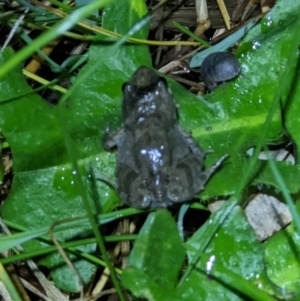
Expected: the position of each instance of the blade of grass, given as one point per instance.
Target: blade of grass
(51, 34)
(73, 159)
(43, 81)
(28, 40)
(227, 207)
(83, 193)
(60, 4)
(43, 87)
(285, 192)
(191, 34)
(8, 242)
(8, 284)
(69, 246)
(113, 35)
(30, 6)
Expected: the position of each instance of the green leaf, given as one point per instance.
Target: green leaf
(287, 171)
(234, 248)
(282, 258)
(143, 286)
(236, 112)
(158, 250)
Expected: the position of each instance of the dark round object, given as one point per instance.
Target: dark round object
(219, 67)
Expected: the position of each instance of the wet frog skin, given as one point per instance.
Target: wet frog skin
(157, 163)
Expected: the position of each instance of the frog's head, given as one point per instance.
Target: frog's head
(146, 96)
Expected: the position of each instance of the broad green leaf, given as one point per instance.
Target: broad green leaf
(141, 285)
(282, 258)
(158, 250)
(11, 241)
(236, 249)
(287, 171)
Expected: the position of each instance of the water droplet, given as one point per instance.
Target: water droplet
(210, 263)
(266, 25)
(250, 151)
(255, 45)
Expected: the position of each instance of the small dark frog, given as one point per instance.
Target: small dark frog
(157, 162)
(219, 67)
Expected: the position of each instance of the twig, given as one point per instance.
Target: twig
(14, 29)
(224, 13)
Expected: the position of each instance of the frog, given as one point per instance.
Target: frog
(158, 163)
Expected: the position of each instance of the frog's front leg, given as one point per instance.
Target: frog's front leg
(187, 179)
(193, 145)
(110, 139)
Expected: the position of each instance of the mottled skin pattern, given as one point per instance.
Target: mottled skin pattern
(219, 67)
(158, 163)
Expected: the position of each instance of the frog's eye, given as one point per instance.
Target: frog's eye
(126, 88)
(162, 82)
(127, 91)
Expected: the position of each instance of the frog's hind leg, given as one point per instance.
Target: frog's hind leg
(107, 180)
(193, 145)
(133, 190)
(183, 179)
(187, 178)
(207, 173)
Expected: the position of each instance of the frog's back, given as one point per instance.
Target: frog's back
(158, 163)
